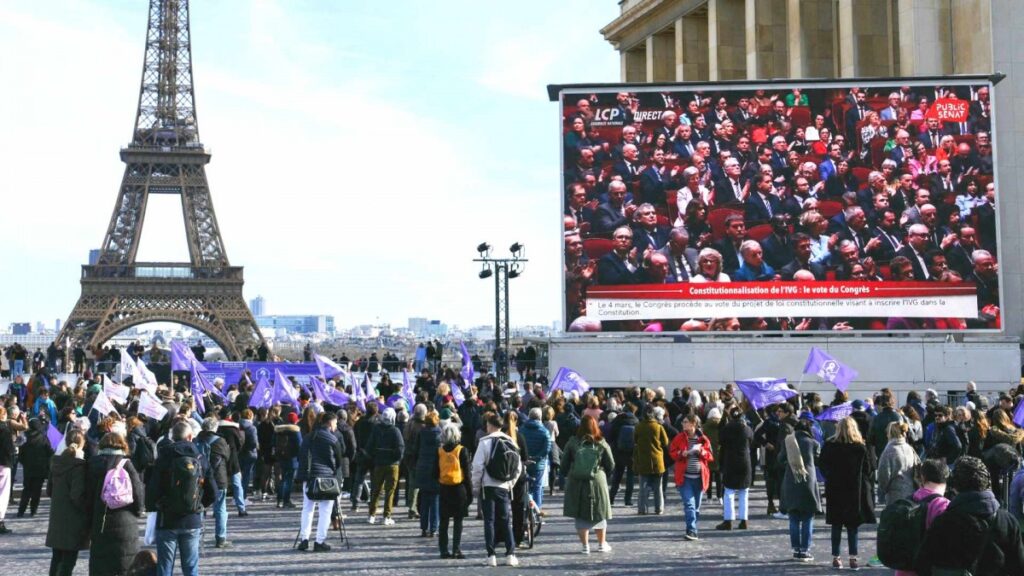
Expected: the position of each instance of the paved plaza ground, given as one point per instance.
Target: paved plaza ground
(642, 545)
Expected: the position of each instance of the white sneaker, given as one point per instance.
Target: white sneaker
(372, 520)
(586, 549)
(389, 521)
(604, 548)
(780, 516)
(492, 561)
(511, 560)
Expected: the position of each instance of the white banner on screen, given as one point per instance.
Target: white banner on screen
(955, 306)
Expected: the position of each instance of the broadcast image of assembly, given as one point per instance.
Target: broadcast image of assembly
(780, 207)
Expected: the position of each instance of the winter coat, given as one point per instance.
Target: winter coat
(410, 435)
(677, 450)
(386, 446)
(796, 495)
(896, 471)
(879, 432)
(945, 443)
(848, 470)
(626, 418)
(539, 444)
(265, 435)
(587, 500)
(711, 429)
(220, 454)
(428, 441)
(1015, 503)
(250, 446)
(235, 438)
(7, 452)
(159, 485)
(34, 455)
(363, 429)
(320, 456)
(348, 442)
(651, 444)
(69, 513)
(114, 533)
(956, 537)
(455, 499)
(996, 435)
(567, 422)
(734, 454)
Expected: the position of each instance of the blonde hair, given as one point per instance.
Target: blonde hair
(897, 430)
(847, 432)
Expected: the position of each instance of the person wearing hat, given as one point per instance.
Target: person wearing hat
(386, 448)
(287, 441)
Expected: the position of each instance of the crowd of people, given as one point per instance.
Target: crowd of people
(801, 185)
(105, 467)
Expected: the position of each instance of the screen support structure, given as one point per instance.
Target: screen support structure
(503, 269)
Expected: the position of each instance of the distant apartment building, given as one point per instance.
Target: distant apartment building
(297, 324)
(258, 306)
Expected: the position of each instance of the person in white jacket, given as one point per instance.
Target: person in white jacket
(496, 499)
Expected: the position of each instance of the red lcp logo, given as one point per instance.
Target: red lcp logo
(949, 110)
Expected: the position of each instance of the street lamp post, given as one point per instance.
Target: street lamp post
(503, 269)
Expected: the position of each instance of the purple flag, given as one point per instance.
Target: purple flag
(467, 373)
(829, 369)
(569, 380)
(198, 389)
(407, 389)
(836, 413)
(1018, 414)
(457, 394)
(328, 369)
(305, 388)
(761, 392)
(54, 436)
(284, 391)
(182, 357)
(357, 391)
(371, 390)
(262, 394)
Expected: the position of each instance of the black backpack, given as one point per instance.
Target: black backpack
(504, 462)
(626, 441)
(144, 453)
(901, 529)
(185, 493)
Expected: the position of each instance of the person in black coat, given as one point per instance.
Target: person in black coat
(734, 440)
(848, 466)
(428, 440)
(320, 457)
(220, 460)
(114, 534)
(68, 529)
(34, 456)
(973, 535)
(455, 496)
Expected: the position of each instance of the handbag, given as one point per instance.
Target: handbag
(318, 489)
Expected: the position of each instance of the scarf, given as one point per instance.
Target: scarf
(795, 460)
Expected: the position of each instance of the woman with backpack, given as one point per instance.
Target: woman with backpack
(520, 488)
(896, 465)
(455, 483)
(691, 451)
(848, 466)
(586, 463)
(428, 440)
(114, 532)
(143, 449)
(799, 497)
(319, 457)
(931, 475)
(68, 530)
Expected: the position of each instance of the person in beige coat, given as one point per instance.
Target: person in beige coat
(651, 442)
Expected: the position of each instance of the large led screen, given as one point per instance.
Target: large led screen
(780, 207)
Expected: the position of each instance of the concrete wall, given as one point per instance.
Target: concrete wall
(727, 41)
(661, 49)
(767, 43)
(695, 47)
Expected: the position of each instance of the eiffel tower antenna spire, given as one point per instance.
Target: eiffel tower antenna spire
(165, 157)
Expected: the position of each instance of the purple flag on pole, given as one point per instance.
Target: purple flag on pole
(284, 391)
(457, 394)
(468, 375)
(1018, 414)
(407, 389)
(262, 394)
(569, 380)
(182, 357)
(54, 436)
(829, 369)
(836, 413)
(328, 369)
(761, 392)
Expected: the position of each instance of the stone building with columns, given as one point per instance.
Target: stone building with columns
(705, 41)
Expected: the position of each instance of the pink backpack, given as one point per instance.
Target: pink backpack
(117, 487)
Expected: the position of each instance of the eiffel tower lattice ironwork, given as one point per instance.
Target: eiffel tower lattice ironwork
(165, 157)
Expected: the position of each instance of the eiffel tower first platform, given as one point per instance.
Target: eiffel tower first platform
(165, 157)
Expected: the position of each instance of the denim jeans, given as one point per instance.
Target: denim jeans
(497, 507)
(284, 491)
(691, 492)
(430, 510)
(801, 525)
(220, 515)
(170, 542)
(727, 507)
(248, 464)
(536, 488)
(650, 485)
(837, 538)
(237, 491)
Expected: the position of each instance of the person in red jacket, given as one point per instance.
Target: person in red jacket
(691, 451)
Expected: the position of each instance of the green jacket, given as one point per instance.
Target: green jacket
(651, 443)
(587, 500)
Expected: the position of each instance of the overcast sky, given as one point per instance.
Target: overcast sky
(360, 150)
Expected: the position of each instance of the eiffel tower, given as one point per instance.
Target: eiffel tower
(165, 157)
